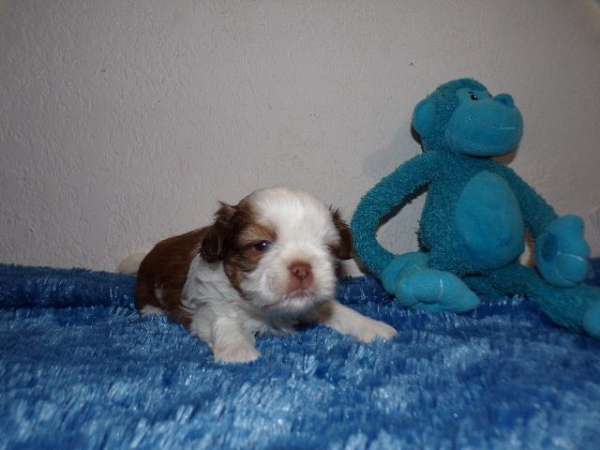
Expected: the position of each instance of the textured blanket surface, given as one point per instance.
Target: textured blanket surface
(80, 369)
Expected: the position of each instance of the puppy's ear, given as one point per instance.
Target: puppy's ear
(213, 244)
(343, 248)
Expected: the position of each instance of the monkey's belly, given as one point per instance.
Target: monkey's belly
(488, 218)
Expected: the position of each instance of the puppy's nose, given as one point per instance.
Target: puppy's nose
(301, 271)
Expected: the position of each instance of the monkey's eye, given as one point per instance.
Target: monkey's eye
(473, 96)
(262, 246)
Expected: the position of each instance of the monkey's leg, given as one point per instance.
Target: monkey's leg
(576, 308)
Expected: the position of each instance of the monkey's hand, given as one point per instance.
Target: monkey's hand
(562, 253)
(416, 286)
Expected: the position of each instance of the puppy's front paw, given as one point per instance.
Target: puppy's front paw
(236, 354)
(370, 329)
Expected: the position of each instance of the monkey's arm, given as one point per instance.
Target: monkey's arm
(389, 195)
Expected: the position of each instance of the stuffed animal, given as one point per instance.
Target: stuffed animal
(473, 225)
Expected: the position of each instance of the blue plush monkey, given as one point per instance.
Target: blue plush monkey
(472, 229)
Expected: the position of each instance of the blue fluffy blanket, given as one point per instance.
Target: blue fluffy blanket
(80, 369)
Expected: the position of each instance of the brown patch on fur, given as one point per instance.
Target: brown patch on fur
(343, 248)
(243, 255)
(231, 239)
(166, 268)
(254, 233)
(214, 243)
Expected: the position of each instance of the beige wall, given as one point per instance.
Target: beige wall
(122, 122)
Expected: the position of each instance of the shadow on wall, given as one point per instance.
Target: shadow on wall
(383, 161)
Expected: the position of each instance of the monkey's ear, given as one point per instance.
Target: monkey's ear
(213, 244)
(424, 117)
(343, 248)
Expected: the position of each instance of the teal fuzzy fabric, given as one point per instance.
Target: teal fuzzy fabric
(81, 370)
(475, 218)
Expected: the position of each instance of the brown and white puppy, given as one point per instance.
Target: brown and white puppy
(265, 265)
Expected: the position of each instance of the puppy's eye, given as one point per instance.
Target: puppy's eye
(262, 246)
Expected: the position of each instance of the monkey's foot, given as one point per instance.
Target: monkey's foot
(591, 320)
(562, 252)
(435, 291)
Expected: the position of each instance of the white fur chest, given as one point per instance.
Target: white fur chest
(207, 283)
(209, 297)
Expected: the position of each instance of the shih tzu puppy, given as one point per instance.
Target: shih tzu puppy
(266, 265)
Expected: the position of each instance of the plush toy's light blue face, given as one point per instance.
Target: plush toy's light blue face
(483, 125)
(462, 117)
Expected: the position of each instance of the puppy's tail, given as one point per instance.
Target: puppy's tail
(131, 264)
